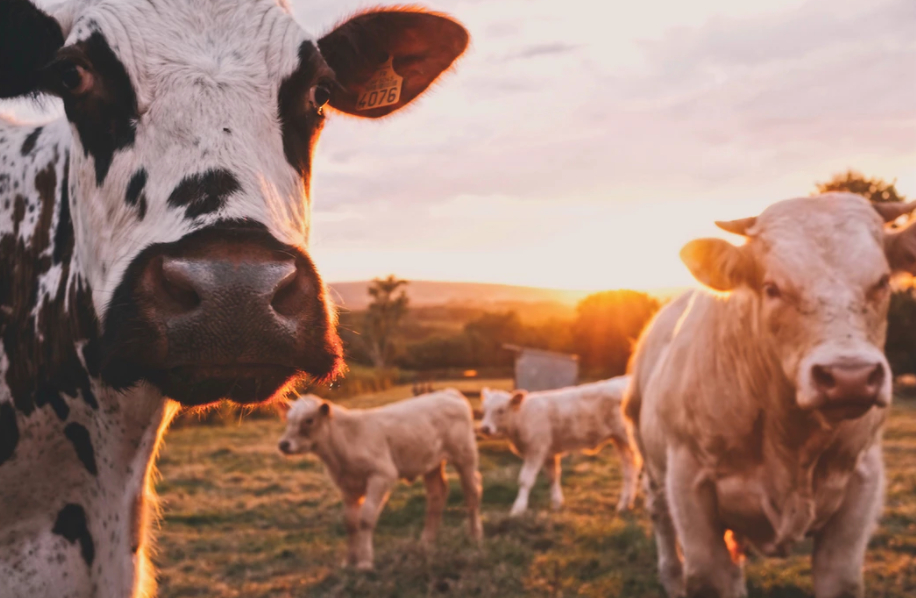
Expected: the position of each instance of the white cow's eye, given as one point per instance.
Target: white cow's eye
(308, 422)
(883, 284)
(771, 290)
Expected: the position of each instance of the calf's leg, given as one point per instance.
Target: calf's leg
(352, 506)
(839, 548)
(554, 468)
(472, 488)
(377, 491)
(436, 496)
(629, 465)
(709, 569)
(526, 478)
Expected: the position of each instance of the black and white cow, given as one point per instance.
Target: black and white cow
(153, 245)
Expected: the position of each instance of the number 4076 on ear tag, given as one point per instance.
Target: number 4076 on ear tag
(383, 89)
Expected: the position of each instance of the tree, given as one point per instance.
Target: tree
(875, 189)
(383, 318)
(606, 326)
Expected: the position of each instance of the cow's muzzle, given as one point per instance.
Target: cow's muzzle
(847, 389)
(227, 312)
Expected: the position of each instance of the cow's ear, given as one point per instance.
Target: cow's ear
(325, 409)
(516, 401)
(383, 59)
(900, 248)
(717, 263)
(29, 39)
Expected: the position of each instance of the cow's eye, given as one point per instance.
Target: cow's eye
(308, 421)
(74, 78)
(771, 290)
(320, 95)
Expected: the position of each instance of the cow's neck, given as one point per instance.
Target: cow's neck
(788, 443)
(76, 455)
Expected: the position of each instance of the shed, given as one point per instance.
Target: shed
(536, 369)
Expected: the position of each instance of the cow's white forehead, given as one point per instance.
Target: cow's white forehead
(164, 42)
(302, 407)
(494, 398)
(835, 234)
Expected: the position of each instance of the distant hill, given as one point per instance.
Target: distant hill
(355, 296)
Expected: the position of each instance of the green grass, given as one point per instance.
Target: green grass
(239, 520)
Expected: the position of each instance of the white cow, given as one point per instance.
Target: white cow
(542, 426)
(366, 451)
(758, 407)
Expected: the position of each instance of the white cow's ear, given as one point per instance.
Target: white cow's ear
(29, 40)
(325, 409)
(516, 401)
(900, 248)
(717, 263)
(383, 59)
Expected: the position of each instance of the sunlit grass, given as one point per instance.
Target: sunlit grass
(239, 520)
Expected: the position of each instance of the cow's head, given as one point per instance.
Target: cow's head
(193, 127)
(817, 272)
(498, 406)
(306, 425)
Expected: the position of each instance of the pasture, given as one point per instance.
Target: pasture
(241, 521)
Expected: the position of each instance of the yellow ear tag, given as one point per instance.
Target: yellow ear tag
(383, 89)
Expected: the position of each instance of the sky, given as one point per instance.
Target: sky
(580, 144)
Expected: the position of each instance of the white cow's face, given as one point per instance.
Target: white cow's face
(818, 271)
(499, 407)
(306, 425)
(193, 126)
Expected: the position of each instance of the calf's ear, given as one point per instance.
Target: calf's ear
(516, 401)
(900, 248)
(325, 409)
(29, 39)
(383, 59)
(717, 263)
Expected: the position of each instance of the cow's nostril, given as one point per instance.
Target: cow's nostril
(175, 284)
(822, 377)
(291, 295)
(876, 377)
(284, 446)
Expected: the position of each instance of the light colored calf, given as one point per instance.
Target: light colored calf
(367, 451)
(542, 426)
(758, 409)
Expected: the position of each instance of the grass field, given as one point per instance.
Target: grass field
(239, 520)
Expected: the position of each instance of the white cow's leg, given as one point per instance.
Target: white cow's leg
(377, 491)
(554, 468)
(839, 548)
(709, 569)
(629, 465)
(670, 568)
(352, 505)
(526, 478)
(436, 495)
(472, 488)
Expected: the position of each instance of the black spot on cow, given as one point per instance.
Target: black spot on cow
(135, 195)
(44, 361)
(300, 124)
(63, 236)
(48, 395)
(204, 193)
(71, 524)
(29, 39)
(29, 144)
(105, 118)
(78, 435)
(9, 432)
